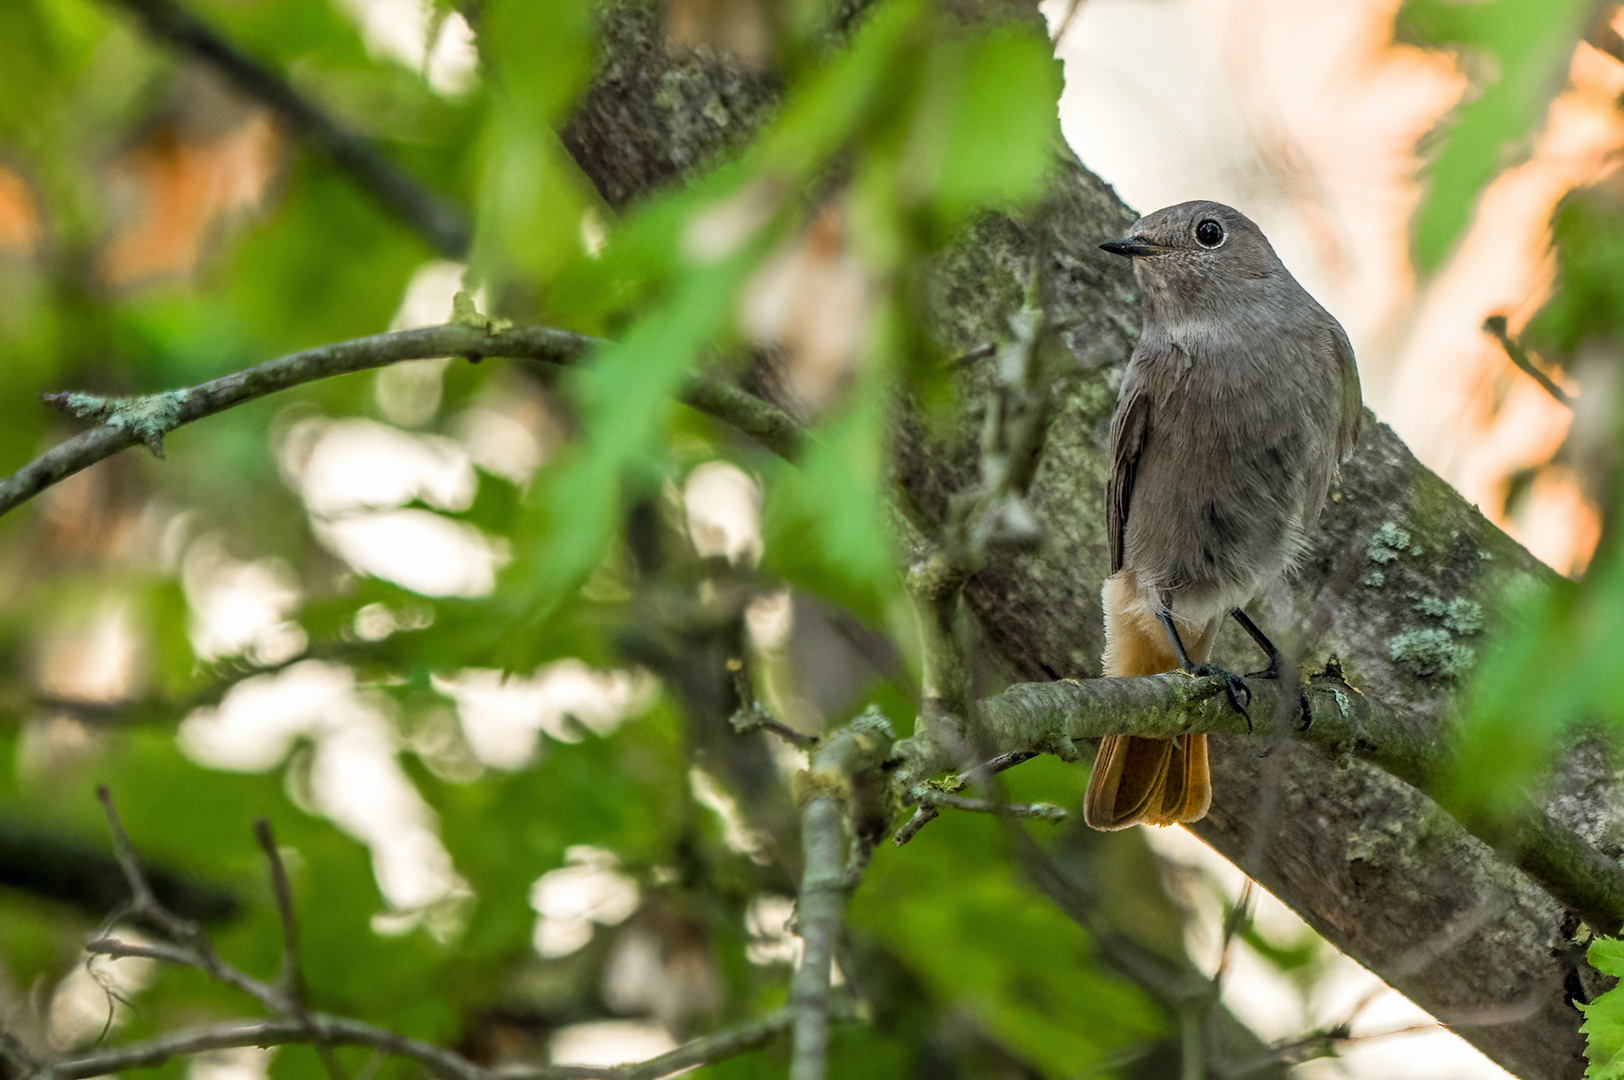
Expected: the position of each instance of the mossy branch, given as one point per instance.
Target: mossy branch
(1052, 716)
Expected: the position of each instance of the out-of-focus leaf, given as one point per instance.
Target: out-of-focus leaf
(823, 526)
(626, 397)
(1526, 46)
(325, 265)
(989, 100)
(1589, 298)
(533, 198)
(1563, 641)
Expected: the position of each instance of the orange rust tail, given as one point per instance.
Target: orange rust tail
(1138, 780)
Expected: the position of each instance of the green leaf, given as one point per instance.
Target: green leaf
(990, 99)
(823, 527)
(532, 196)
(951, 907)
(1527, 46)
(1589, 298)
(626, 396)
(1563, 639)
(1603, 1026)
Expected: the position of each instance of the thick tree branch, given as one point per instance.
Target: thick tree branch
(125, 422)
(432, 217)
(1346, 723)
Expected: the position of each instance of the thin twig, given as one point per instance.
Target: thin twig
(928, 811)
(992, 767)
(322, 1030)
(923, 816)
(290, 977)
(431, 216)
(193, 947)
(147, 419)
(124, 851)
(751, 715)
(447, 1064)
(1496, 325)
(337, 1031)
(118, 949)
(1234, 920)
(926, 796)
(704, 1051)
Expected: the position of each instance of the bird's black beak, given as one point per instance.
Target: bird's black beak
(1133, 245)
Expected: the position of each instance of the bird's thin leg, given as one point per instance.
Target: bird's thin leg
(1276, 663)
(1239, 695)
(1263, 642)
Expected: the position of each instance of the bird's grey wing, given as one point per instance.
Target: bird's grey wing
(1128, 429)
(1353, 409)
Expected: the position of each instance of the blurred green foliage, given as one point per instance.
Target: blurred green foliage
(1516, 54)
(597, 560)
(1545, 680)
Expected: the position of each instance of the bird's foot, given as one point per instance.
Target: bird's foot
(1304, 715)
(1240, 696)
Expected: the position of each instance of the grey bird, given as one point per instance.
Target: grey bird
(1238, 406)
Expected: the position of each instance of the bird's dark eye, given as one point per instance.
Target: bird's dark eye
(1209, 233)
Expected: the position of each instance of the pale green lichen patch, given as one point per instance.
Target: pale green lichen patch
(1460, 615)
(1431, 653)
(149, 418)
(1388, 544)
(1375, 579)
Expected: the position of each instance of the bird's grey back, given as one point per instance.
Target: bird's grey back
(1239, 391)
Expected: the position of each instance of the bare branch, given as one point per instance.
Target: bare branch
(432, 217)
(191, 947)
(336, 1031)
(140, 891)
(289, 976)
(126, 422)
(752, 715)
(706, 1051)
(116, 949)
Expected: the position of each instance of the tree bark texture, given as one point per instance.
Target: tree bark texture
(1365, 858)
